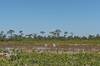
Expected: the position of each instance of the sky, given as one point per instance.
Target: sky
(81, 17)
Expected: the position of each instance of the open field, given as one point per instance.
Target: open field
(55, 48)
(64, 45)
(49, 53)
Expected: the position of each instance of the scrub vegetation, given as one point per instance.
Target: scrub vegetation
(48, 59)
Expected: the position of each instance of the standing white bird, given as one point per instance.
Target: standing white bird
(54, 45)
(45, 45)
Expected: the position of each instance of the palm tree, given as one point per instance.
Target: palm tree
(21, 34)
(71, 34)
(97, 36)
(34, 35)
(58, 31)
(10, 32)
(53, 34)
(29, 35)
(42, 32)
(2, 35)
(65, 34)
(91, 36)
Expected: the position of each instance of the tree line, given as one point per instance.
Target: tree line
(56, 34)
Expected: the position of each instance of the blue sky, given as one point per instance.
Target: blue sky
(78, 16)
